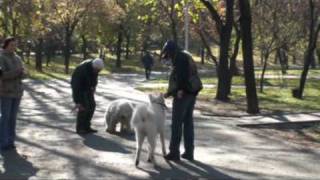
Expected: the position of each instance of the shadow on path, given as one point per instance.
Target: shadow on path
(103, 144)
(16, 166)
(186, 170)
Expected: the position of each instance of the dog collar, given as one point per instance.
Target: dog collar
(163, 105)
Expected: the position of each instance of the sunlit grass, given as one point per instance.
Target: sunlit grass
(272, 100)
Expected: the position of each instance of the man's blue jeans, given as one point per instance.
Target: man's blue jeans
(182, 116)
(9, 110)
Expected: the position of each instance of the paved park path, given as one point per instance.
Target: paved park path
(49, 148)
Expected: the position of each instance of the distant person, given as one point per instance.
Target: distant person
(83, 82)
(147, 61)
(184, 92)
(11, 91)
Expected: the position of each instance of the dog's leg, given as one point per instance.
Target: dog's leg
(122, 126)
(163, 143)
(129, 127)
(112, 124)
(152, 144)
(125, 124)
(140, 138)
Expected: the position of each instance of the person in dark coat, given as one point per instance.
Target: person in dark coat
(11, 92)
(183, 102)
(147, 61)
(83, 82)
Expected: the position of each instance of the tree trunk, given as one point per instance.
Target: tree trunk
(265, 57)
(84, 47)
(128, 36)
(233, 64)
(202, 53)
(223, 69)
(207, 47)
(294, 59)
(173, 21)
(248, 66)
(102, 53)
(283, 59)
(318, 55)
(39, 50)
(234, 71)
(67, 49)
(313, 36)
(313, 61)
(119, 47)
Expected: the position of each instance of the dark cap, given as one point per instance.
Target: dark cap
(169, 48)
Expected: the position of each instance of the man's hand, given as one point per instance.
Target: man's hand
(19, 71)
(93, 89)
(180, 94)
(79, 107)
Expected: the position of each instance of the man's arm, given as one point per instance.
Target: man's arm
(76, 88)
(9, 75)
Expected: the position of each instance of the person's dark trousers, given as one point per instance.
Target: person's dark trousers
(148, 72)
(182, 117)
(9, 111)
(84, 117)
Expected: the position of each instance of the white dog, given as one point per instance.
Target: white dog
(118, 111)
(148, 121)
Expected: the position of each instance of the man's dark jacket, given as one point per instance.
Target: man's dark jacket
(181, 73)
(83, 81)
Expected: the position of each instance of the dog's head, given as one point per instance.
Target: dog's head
(157, 99)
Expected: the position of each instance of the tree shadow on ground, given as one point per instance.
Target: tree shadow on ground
(130, 136)
(103, 144)
(186, 170)
(16, 166)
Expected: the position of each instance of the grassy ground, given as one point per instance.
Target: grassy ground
(274, 99)
(277, 80)
(56, 68)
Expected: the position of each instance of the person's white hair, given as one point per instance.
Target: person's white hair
(98, 63)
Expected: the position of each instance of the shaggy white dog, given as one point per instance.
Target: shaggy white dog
(148, 121)
(118, 111)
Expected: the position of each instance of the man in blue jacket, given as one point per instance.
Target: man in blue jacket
(83, 82)
(183, 101)
(147, 62)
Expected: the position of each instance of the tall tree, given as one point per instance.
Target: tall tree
(68, 13)
(276, 25)
(248, 66)
(224, 29)
(314, 29)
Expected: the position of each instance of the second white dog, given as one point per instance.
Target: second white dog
(118, 111)
(148, 121)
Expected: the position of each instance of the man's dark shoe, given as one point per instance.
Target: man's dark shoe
(82, 132)
(92, 130)
(187, 156)
(172, 157)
